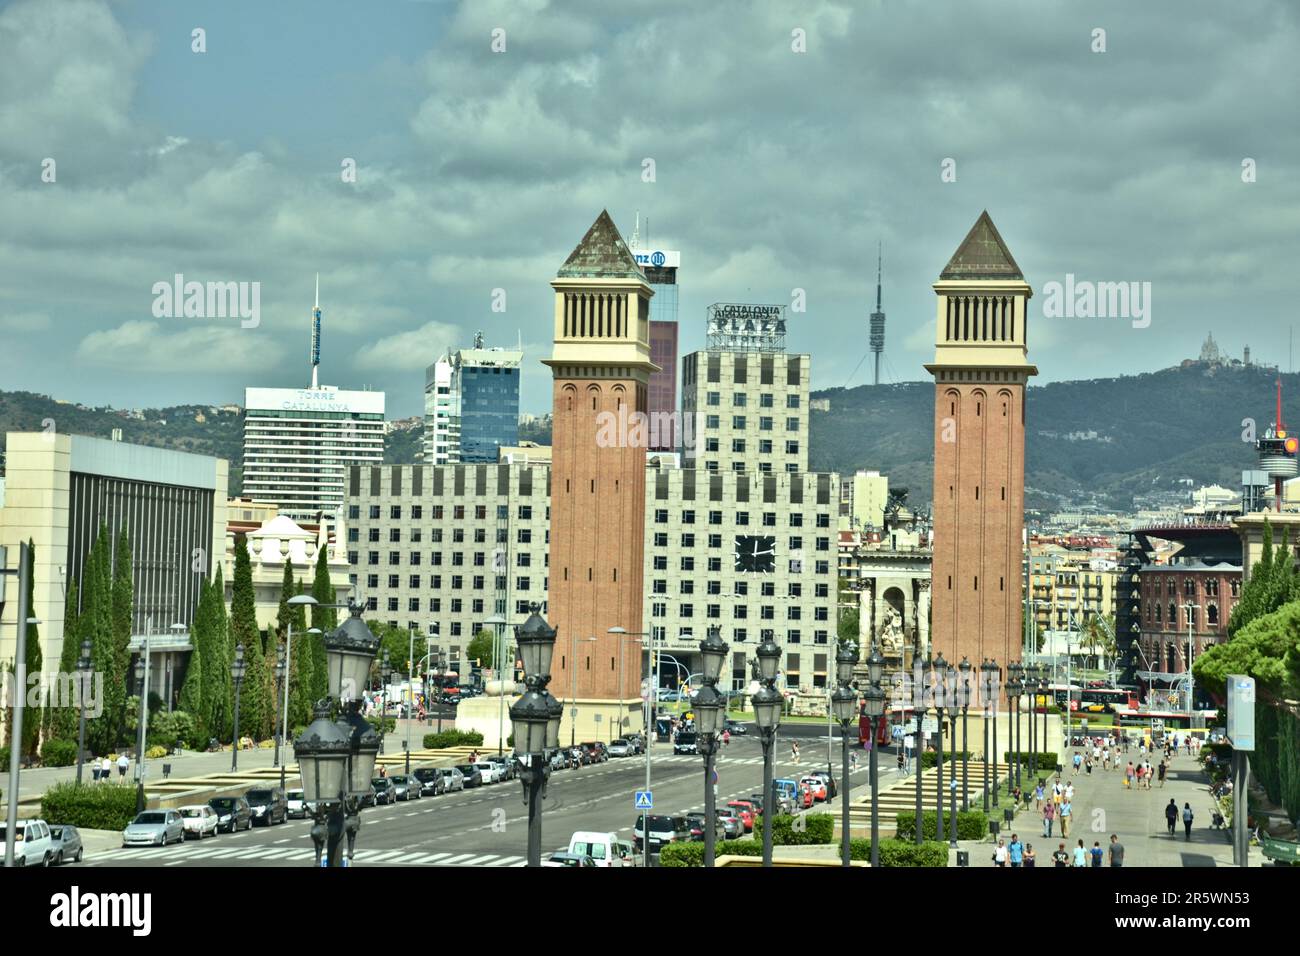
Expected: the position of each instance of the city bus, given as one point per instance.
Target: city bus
(884, 726)
(1095, 700)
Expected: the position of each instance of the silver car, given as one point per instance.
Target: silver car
(621, 748)
(154, 828)
(452, 779)
(405, 788)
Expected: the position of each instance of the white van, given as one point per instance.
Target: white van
(605, 849)
(33, 845)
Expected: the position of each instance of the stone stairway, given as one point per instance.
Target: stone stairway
(900, 796)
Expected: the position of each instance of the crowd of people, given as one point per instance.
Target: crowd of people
(1020, 854)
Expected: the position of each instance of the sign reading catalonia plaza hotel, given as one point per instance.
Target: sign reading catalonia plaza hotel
(737, 327)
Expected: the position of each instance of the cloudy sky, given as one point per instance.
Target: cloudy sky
(786, 140)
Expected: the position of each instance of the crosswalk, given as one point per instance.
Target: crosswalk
(173, 856)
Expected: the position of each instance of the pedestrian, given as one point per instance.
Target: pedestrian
(1069, 792)
(1049, 815)
(1030, 858)
(1016, 852)
(1060, 859)
(122, 764)
(1067, 810)
(1000, 854)
(106, 770)
(1080, 855)
(1096, 854)
(1171, 815)
(1138, 772)
(1057, 793)
(1105, 757)
(1078, 762)
(1149, 774)
(902, 765)
(853, 759)
(794, 752)
(1087, 764)
(1163, 769)
(94, 770)
(1116, 851)
(383, 771)
(1187, 819)
(1129, 774)
(1038, 796)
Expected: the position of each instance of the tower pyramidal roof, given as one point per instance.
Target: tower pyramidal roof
(602, 254)
(982, 255)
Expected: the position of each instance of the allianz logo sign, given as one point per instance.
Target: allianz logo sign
(656, 259)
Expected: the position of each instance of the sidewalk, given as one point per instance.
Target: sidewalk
(1102, 806)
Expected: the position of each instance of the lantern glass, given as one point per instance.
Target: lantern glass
(768, 704)
(83, 665)
(769, 656)
(707, 704)
(714, 652)
(531, 718)
(874, 702)
(843, 704)
(322, 753)
(875, 665)
(348, 671)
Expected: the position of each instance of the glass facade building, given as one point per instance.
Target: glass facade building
(489, 408)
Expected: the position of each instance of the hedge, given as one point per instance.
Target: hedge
(383, 725)
(58, 753)
(1046, 759)
(893, 853)
(103, 806)
(814, 828)
(930, 757)
(453, 738)
(971, 825)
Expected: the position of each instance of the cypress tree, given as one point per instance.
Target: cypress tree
(253, 696)
(63, 723)
(303, 674)
(121, 617)
(33, 714)
(324, 618)
(96, 624)
(220, 656)
(192, 690)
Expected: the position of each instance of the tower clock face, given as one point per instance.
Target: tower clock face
(756, 552)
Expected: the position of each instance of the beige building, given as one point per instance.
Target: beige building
(61, 489)
(868, 500)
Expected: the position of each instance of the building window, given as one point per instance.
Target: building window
(374, 512)
(715, 565)
(373, 535)
(661, 562)
(686, 587)
(792, 401)
(765, 400)
(738, 422)
(738, 446)
(688, 540)
(354, 512)
(395, 512)
(765, 448)
(738, 399)
(711, 444)
(715, 517)
(713, 398)
(688, 563)
(372, 557)
(792, 448)
(792, 636)
(688, 517)
(661, 539)
(661, 516)
(687, 610)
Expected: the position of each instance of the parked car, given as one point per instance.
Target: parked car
(733, 828)
(698, 824)
(596, 751)
(405, 788)
(505, 767)
(473, 776)
(452, 779)
(620, 748)
(559, 760)
(198, 821)
(663, 830)
(604, 849)
(825, 775)
(685, 743)
(33, 843)
(297, 804)
(488, 771)
(430, 780)
(384, 791)
(815, 784)
(154, 828)
(67, 843)
(735, 727)
(233, 813)
(567, 859)
(268, 805)
(745, 812)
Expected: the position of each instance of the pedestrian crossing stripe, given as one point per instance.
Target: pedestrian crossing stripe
(199, 856)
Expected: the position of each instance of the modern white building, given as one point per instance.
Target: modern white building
(300, 442)
(441, 420)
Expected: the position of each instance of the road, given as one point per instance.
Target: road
(487, 826)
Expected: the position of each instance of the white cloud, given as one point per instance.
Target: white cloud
(412, 349)
(218, 345)
(24, 321)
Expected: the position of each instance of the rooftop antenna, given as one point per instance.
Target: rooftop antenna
(315, 334)
(636, 232)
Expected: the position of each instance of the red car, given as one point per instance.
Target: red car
(745, 812)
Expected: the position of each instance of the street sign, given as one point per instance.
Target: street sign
(325, 860)
(596, 718)
(930, 726)
(645, 800)
(573, 712)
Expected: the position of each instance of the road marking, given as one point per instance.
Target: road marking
(481, 860)
(456, 860)
(285, 840)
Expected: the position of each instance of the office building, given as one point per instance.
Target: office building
(660, 267)
(981, 371)
(60, 490)
(484, 401)
(299, 443)
(441, 443)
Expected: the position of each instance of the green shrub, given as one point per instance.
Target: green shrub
(682, 854)
(103, 806)
(58, 753)
(4, 758)
(815, 828)
(453, 738)
(971, 825)
(385, 725)
(167, 727)
(1044, 761)
(898, 852)
(155, 752)
(929, 758)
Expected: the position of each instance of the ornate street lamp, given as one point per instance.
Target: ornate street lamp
(1013, 731)
(924, 668)
(237, 668)
(324, 752)
(385, 675)
(83, 676)
(768, 704)
(709, 706)
(280, 671)
(991, 696)
(874, 705)
(964, 668)
(940, 700)
(533, 717)
(844, 705)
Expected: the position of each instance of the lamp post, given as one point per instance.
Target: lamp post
(498, 660)
(23, 573)
(940, 694)
(1042, 687)
(337, 757)
(279, 682)
(964, 668)
(844, 705)
(994, 676)
(142, 677)
(83, 675)
(651, 711)
(1012, 692)
(874, 705)
(1031, 676)
(531, 717)
(385, 675)
(986, 693)
(709, 705)
(237, 668)
(1190, 610)
(923, 667)
(768, 704)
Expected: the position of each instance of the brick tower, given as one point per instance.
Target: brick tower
(980, 369)
(601, 371)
